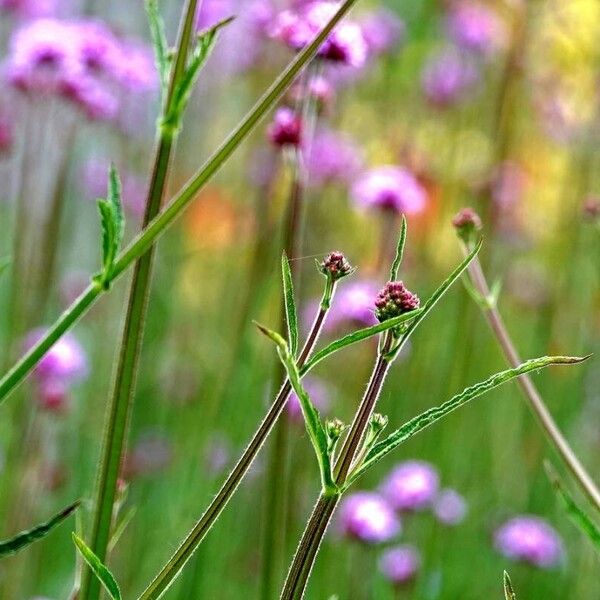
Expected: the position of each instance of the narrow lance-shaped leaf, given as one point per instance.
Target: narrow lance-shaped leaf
(431, 416)
(312, 419)
(575, 512)
(291, 316)
(100, 570)
(160, 44)
(357, 336)
(436, 296)
(204, 45)
(509, 592)
(113, 227)
(25, 538)
(399, 250)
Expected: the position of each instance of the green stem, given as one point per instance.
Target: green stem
(535, 401)
(173, 567)
(144, 240)
(121, 401)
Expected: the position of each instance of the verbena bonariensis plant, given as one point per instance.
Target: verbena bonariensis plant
(361, 448)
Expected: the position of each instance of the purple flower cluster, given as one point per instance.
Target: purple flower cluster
(368, 517)
(393, 300)
(64, 364)
(297, 28)
(286, 128)
(412, 485)
(400, 564)
(529, 539)
(353, 304)
(390, 188)
(81, 61)
(448, 77)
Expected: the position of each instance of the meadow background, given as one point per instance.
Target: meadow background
(517, 141)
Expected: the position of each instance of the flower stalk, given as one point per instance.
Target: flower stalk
(487, 302)
(123, 390)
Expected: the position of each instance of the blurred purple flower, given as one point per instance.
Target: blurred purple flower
(390, 188)
(412, 485)
(53, 395)
(28, 8)
(151, 453)
(297, 28)
(450, 507)
(367, 517)
(218, 454)
(332, 158)
(319, 90)
(353, 304)
(530, 539)
(286, 128)
(476, 27)
(136, 70)
(400, 564)
(383, 31)
(318, 393)
(591, 209)
(447, 78)
(508, 184)
(66, 361)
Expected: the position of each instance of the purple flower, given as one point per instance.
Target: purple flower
(66, 361)
(393, 300)
(319, 90)
(383, 31)
(28, 8)
(286, 128)
(367, 517)
(476, 27)
(400, 564)
(353, 303)
(448, 77)
(412, 485)
(450, 507)
(53, 395)
(136, 70)
(530, 539)
(151, 453)
(390, 188)
(297, 28)
(333, 158)
(318, 393)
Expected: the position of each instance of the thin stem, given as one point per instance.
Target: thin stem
(121, 402)
(299, 572)
(306, 553)
(144, 240)
(172, 568)
(535, 401)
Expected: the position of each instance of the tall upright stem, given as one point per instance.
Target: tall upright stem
(535, 401)
(121, 401)
(171, 569)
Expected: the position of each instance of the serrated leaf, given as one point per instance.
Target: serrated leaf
(25, 538)
(399, 250)
(436, 296)
(160, 44)
(431, 416)
(204, 46)
(113, 226)
(100, 570)
(357, 336)
(291, 315)
(509, 592)
(579, 517)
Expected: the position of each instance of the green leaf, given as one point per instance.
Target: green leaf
(160, 44)
(435, 297)
(291, 316)
(431, 416)
(25, 538)
(204, 45)
(509, 592)
(100, 570)
(312, 419)
(399, 250)
(574, 511)
(113, 227)
(357, 336)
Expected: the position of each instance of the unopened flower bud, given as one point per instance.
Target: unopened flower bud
(393, 300)
(286, 128)
(467, 223)
(335, 266)
(334, 429)
(378, 422)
